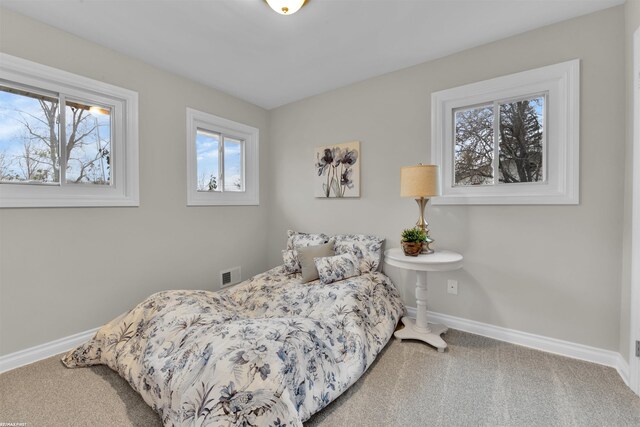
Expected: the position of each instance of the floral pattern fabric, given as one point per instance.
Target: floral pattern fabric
(296, 239)
(291, 262)
(368, 249)
(270, 351)
(339, 267)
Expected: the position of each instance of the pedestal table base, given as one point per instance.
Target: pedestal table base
(430, 335)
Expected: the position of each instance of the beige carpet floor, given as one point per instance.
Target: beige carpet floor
(477, 382)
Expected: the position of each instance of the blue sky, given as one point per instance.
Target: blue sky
(12, 130)
(16, 108)
(89, 150)
(207, 145)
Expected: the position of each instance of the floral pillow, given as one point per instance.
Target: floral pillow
(291, 263)
(368, 249)
(338, 267)
(296, 239)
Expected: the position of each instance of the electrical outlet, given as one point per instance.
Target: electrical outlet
(452, 287)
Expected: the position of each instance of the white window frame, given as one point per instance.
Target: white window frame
(250, 167)
(561, 85)
(123, 189)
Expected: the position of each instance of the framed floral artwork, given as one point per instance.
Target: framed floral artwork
(338, 170)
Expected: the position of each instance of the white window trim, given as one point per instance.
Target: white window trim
(250, 135)
(561, 82)
(124, 187)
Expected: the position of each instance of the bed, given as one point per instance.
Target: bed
(270, 351)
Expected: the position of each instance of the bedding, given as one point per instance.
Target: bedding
(368, 249)
(306, 256)
(290, 260)
(270, 351)
(339, 267)
(296, 239)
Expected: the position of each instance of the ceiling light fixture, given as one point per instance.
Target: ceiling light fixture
(286, 7)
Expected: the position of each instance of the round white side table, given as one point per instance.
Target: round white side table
(438, 261)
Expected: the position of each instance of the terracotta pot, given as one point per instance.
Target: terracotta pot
(412, 248)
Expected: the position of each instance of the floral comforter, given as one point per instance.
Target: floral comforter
(270, 351)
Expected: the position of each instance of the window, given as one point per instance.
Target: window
(222, 161)
(510, 140)
(499, 143)
(219, 162)
(65, 140)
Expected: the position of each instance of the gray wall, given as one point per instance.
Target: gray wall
(632, 21)
(64, 271)
(548, 270)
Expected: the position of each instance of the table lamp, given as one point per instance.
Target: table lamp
(421, 182)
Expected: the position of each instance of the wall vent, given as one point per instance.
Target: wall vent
(226, 278)
(637, 348)
(230, 277)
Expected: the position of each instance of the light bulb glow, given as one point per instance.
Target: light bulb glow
(99, 110)
(286, 7)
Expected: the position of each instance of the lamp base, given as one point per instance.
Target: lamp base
(424, 226)
(426, 250)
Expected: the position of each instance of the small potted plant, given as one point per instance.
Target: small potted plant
(412, 240)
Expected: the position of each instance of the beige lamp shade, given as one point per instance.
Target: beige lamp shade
(419, 181)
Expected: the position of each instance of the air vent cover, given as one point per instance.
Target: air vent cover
(226, 278)
(230, 277)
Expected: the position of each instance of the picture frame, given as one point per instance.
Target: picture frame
(337, 168)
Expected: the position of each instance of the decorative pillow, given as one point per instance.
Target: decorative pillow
(296, 239)
(338, 267)
(291, 263)
(368, 249)
(306, 256)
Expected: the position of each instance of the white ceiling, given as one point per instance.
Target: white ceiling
(245, 49)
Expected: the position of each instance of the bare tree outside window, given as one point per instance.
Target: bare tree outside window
(88, 150)
(521, 143)
(29, 140)
(474, 146)
(521, 136)
(28, 137)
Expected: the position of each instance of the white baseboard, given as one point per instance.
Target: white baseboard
(42, 351)
(623, 369)
(538, 342)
